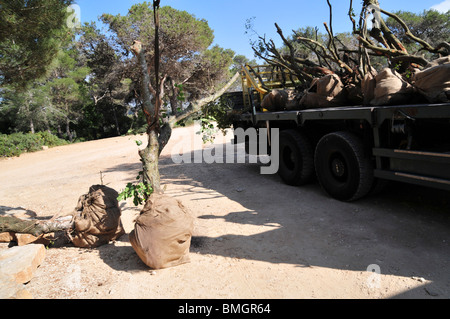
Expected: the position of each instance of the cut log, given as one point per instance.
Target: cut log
(34, 227)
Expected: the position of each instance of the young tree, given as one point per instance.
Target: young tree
(108, 84)
(151, 90)
(66, 88)
(29, 108)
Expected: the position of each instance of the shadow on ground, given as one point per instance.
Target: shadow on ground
(404, 229)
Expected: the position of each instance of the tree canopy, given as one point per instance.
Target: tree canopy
(88, 86)
(31, 34)
(188, 60)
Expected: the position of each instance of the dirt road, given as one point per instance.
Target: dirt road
(254, 238)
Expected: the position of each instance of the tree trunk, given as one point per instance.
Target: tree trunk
(60, 134)
(150, 161)
(158, 135)
(35, 227)
(149, 156)
(32, 126)
(116, 121)
(47, 125)
(69, 134)
(174, 98)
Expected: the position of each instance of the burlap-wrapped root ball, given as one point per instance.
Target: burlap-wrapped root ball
(162, 233)
(97, 218)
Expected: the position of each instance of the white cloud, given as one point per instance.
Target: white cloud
(443, 7)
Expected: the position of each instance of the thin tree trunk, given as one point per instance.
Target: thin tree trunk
(174, 98)
(158, 136)
(60, 134)
(116, 121)
(47, 125)
(150, 161)
(69, 134)
(32, 126)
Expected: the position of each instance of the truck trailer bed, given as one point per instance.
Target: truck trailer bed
(426, 162)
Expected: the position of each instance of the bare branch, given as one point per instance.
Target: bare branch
(410, 59)
(330, 31)
(292, 65)
(326, 55)
(380, 50)
(350, 15)
(147, 106)
(197, 105)
(408, 33)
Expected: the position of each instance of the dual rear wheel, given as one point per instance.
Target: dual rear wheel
(342, 168)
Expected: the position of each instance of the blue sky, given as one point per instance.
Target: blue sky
(228, 18)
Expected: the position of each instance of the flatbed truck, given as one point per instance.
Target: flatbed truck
(354, 150)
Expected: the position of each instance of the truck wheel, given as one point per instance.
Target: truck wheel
(342, 168)
(296, 158)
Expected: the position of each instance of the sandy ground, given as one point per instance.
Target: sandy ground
(255, 238)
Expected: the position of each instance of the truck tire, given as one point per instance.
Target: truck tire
(296, 158)
(342, 168)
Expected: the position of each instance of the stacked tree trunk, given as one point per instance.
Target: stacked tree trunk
(340, 76)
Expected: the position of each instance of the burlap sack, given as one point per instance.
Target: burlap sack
(162, 233)
(293, 100)
(391, 89)
(327, 91)
(275, 101)
(368, 87)
(439, 61)
(97, 218)
(434, 81)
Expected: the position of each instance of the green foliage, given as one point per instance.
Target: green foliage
(8, 148)
(214, 118)
(17, 143)
(207, 129)
(31, 33)
(219, 111)
(50, 140)
(179, 29)
(67, 87)
(139, 192)
(187, 56)
(214, 67)
(138, 124)
(109, 86)
(430, 25)
(180, 97)
(138, 142)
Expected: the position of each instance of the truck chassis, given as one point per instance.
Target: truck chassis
(353, 150)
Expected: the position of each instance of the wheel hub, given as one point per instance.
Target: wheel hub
(338, 167)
